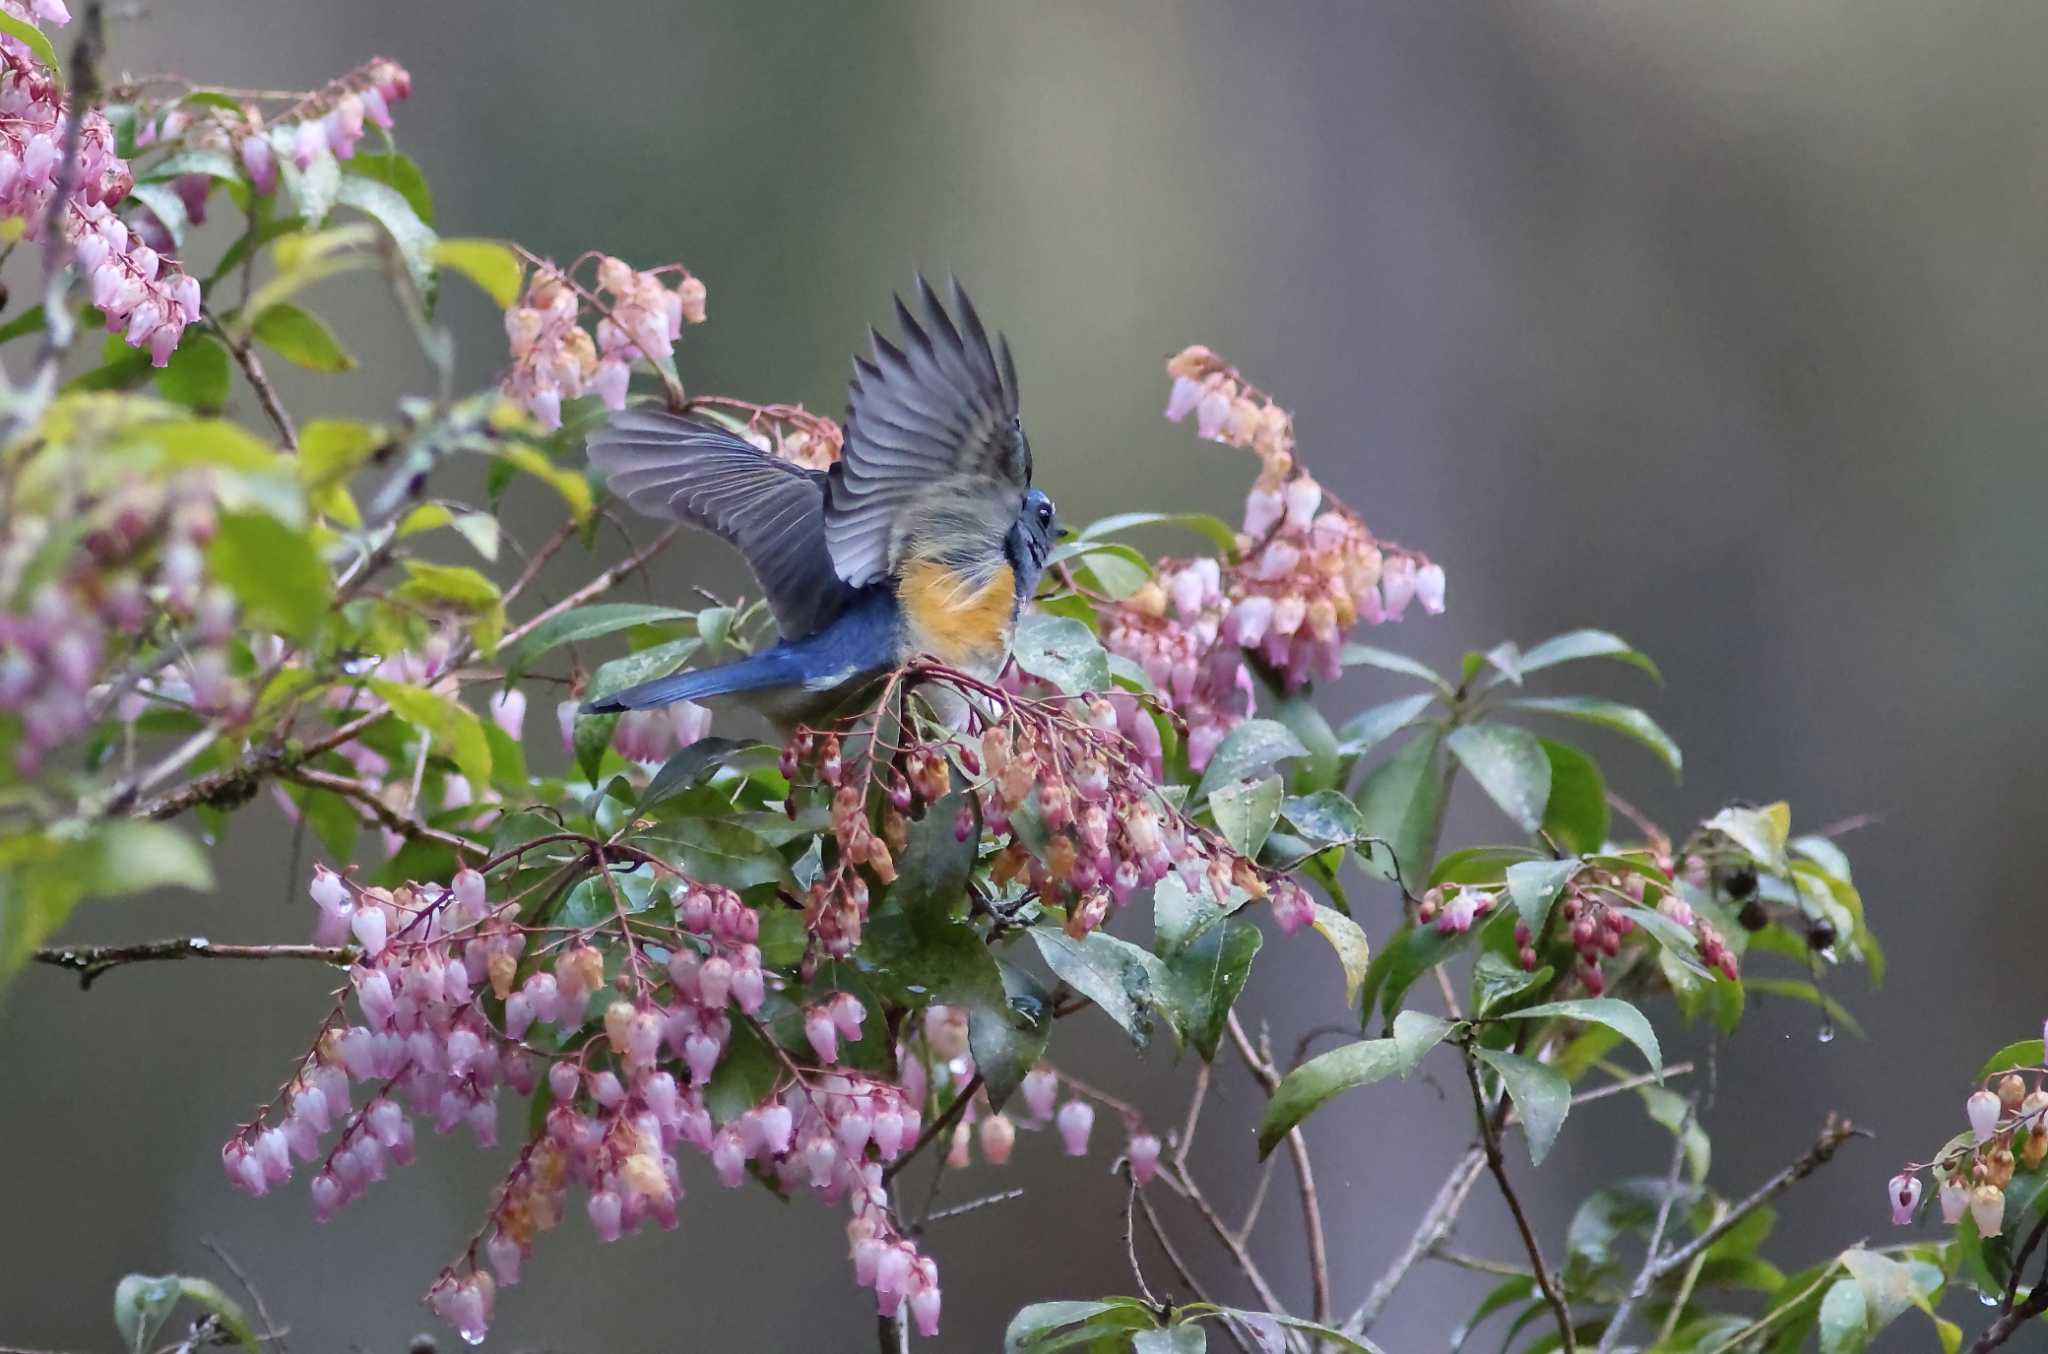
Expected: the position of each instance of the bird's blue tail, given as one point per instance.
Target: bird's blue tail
(774, 668)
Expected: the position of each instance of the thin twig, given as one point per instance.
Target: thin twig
(1131, 1241)
(90, 961)
(603, 583)
(249, 1287)
(1478, 1264)
(365, 794)
(244, 351)
(1647, 1276)
(1436, 1222)
(1833, 1134)
(1268, 1076)
(1630, 1083)
(1552, 1294)
(1691, 1277)
(1180, 1266)
(972, 1204)
(1183, 1183)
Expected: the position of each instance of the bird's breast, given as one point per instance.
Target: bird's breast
(962, 624)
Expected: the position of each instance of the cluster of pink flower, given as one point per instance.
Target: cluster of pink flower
(1306, 571)
(554, 357)
(144, 296)
(1594, 912)
(2004, 1113)
(427, 955)
(143, 554)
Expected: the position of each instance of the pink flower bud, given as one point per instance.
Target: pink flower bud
(564, 1080)
(775, 1122)
(924, 1310)
(728, 1158)
(1904, 1193)
(823, 1034)
(847, 1014)
(1429, 588)
(1955, 1199)
(508, 711)
(327, 1198)
(1182, 399)
(565, 717)
(821, 1155)
(1984, 1109)
(749, 988)
(329, 893)
(606, 1215)
(700, 1054)
(1076, 1118)
(368, 924)
(506, 1256)
(1041, 1089)
(1144, 1155)
(259, 162)
(714, 982)
(888, 1134)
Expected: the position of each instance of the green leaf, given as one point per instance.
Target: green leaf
(29, 321)
(1582, 644)
(1888, 1285)
(197, 375)
(274, 572)
(1386, 660)
(1046, 1327)
(1672, 1111)
(489, 264)
(1506, 1293)
(1412, 951)
(226, 1311)
(1509, 765)
(1173, 1340)
(1268, 1332)
(1541, 1093)
(1348, 939)
(1417, 1032)
(165, 205)
(933, 867)
(1844, 1323)
(1218, 532)
(129, 856)
(1498, 982)
(142, 1303)
(1251, 746)
(390, 208)
(1534, 886)
(581, 623)
(38, 45)
(717, 851)
(1200, 980)
(1678, 942)
(1309, 1086)
(1402, 802)
(642, 665)
(1761, 832)
(1622, 719)
(397, 170)
(745, 1076)
(1245, 812)
(690, 765)
(1114, 974)
(1370, 727)
(447, 723)
(2024, 1053)
(1576, 815)
(1062, 651)
(301, 338)
(1617, 1015)
(1326, 818)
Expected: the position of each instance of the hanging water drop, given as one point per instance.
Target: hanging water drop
(1826, 1033)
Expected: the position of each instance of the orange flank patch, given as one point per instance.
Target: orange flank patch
(960, 625)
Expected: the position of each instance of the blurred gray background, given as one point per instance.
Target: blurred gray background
(1713, 325)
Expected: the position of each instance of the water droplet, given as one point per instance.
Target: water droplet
(1826, 1032)
(472, 1337)
(1988, 1300)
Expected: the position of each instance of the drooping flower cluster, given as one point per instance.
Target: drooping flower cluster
(2008, 1119)
(554, 357)
(643, 735)
(142, 557)
(1085, 822)
(1305, 571)
(145, 297)
(789, 431)
(329, 122)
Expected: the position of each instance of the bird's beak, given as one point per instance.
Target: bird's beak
(1062, 533)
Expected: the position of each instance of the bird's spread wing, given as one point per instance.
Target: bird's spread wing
(771, 511)
(931, 421)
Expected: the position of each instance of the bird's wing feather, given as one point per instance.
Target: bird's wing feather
(771, 511)
(936, 416)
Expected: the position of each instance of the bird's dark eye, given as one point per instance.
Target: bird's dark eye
(1045, 513)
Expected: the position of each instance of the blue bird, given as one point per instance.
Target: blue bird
(925, 538)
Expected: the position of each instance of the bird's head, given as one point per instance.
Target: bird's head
(1031, 538)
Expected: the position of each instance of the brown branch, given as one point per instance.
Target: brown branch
(248, 1286)
(1183, 1183)
(1131, 1240)
(1268, 1076)
(1833, 1134)
(1180, 1267)
(240, 779)
(1552, 1294)
(90, 961)
(244, 351)
(365, 795)
(1648, 1274)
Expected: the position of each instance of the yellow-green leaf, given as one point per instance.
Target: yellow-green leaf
(1348, 939)
(489, 264)
(302, 338)
(274, 572)
(451, 726)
